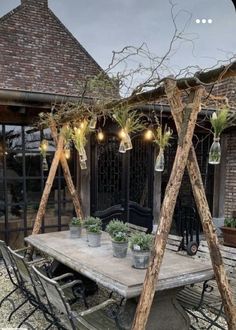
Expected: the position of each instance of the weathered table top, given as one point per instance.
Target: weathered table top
(118, 274)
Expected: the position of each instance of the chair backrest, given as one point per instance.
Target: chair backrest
(9, 263)
(228, 255)
(174, 242)
(135, 229)
(53, 292)
(21, 265)
(5, 253)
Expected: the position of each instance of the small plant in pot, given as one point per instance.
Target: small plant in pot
(118, 231)
(229, 231)
(75, 227)
(141, 245)
(94, 231)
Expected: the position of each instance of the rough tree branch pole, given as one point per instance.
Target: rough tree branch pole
(67, 176)
(175, 101)
(184, 143)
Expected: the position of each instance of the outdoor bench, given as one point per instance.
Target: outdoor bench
(207, 297)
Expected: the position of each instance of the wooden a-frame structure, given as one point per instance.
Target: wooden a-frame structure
(185, 117)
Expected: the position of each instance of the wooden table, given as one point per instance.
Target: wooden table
(118, 274)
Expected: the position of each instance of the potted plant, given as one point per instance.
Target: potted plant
(118, 231)
(141, 245)
(229, 231)
(75, 228)
(94, 231)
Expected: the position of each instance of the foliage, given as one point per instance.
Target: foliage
(94, 228)
(219, 121)
(67, 133)
(141, 241)
(230, 222)
(79, 135)
(128, 120)
(76, 222)
(43, 148)
(118, 230)
(93, 225)
(162, 137)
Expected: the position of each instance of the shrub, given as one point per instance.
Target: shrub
(118, 230)
(93, 225)
(141, 242)
(75, 222)
(230, 222)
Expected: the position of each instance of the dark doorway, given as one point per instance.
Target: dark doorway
(122, 184)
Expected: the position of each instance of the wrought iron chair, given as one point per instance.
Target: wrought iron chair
(11, 271)
(66, 316)
(30, 288)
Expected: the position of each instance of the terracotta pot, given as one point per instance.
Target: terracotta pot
(229, 235)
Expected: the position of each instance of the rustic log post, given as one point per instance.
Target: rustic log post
(67, 176)
(46, 193)
(167, 210)
(48, 186)
(175, 101)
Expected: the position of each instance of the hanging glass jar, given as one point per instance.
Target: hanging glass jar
(82, 154)
(122, 147)
(215, 152)
(160, 161)
(83, 165)
(45, 164)
(127, 142)
(93, 123)
(67, 150)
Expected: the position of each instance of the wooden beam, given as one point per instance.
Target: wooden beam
(175, 101)
(184, 143)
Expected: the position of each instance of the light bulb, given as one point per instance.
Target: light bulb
(122, 134)
(67, 153)
(100, 136)
(148, 135)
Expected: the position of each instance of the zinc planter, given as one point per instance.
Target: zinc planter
(119, 249)
(140, 259)
(75, 231)
(229, 235)
(94, 239)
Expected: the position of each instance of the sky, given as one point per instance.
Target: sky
(103, 26)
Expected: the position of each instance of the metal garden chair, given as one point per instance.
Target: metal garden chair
(11, 271)
(30, 288)
(100, 317)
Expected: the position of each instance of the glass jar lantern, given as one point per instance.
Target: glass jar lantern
(215, 152)
(160, 161)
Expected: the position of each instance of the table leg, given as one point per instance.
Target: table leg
(166, 312)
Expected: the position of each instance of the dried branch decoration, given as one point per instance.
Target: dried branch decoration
(162, 137)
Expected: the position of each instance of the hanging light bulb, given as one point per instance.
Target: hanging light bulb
(160, 161)
(215, 152)
(148, 135)
(100, 135)
(45, 164)
(43, 146)
(122, 134)
(93, 123)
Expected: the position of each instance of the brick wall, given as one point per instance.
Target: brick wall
(230, 184)
(38, 53)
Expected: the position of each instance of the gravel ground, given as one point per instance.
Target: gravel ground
(37, 320)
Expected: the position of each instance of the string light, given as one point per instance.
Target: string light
(122, 134)
(148, 135)
(100, 135)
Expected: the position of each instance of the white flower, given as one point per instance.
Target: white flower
(214, 116)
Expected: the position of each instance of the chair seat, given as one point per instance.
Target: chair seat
(97, 320)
